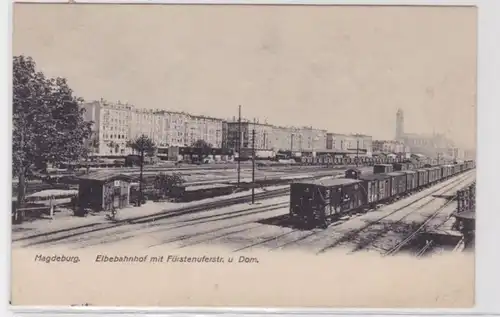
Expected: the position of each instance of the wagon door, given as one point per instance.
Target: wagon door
(328, 200)
(392, 186)
(370, 191)
(301, 199)
(336, 200)
(357, 194)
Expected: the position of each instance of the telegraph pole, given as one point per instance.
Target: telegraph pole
(239, 143)
(253, 162)
(291, 145)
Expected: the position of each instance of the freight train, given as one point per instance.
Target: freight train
(319, 202)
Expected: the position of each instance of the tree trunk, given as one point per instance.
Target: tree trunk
(140, 179)
(21, 193)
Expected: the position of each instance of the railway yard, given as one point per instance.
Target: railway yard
(236, 224)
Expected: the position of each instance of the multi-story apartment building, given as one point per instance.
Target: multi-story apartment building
(390, 146)
(204, 128)
(264, 135)
(117, 123)
(149, 123)
(173, 128)
(276, 138)
(346, 142)
(312, 139)
(111, 128)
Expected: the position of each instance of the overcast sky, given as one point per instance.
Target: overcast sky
(344, 69)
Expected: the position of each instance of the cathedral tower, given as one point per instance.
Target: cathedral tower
(400, 121)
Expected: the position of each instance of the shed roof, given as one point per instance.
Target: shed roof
(105, 176)
(331, 182)
(207, 187)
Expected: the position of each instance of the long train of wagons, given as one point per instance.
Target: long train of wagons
(319, 202)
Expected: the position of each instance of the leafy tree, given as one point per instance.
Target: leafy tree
(48, 123)
(142, 145)
(163, 183)
(203, 147)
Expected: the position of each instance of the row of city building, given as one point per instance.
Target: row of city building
(117, 123)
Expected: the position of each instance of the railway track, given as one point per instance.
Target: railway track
(249, 222)
(400, 220)
(410, 237)
(59, 235)
(349, 236)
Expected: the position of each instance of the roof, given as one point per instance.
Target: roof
(398, 173)
(338, 151)
(408, 172)
(353, 169)
(468, 215)
(207, 186)
(382, 165)
(105, 176)
(370, 177)
(331, 182)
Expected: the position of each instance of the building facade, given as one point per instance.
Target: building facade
(117, 123)
(203, 128)
(390, 146)
(111, 128)
(275, 138)
(349, 142)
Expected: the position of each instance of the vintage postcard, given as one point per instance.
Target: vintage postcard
(243, 155)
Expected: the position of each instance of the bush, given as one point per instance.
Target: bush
(163, 183)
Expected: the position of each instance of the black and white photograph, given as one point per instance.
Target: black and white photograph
(241, 155)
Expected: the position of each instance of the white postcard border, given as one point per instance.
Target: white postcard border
(488, 235)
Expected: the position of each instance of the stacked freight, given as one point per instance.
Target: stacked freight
(320, 202)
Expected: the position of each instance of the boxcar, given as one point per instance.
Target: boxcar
(445, 171)
(382, 168)
(378, 182)
(321, 201)
(411, 180)
(423, 177)
(398, 183)
(400, 166)
(432, 175)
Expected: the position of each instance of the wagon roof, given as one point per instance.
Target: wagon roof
(395, 173)
(370, 177)
(353, 169)
(330, 182)
(382, 165)
(408, 172)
